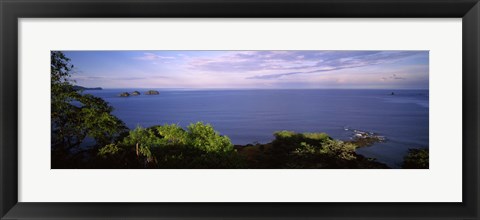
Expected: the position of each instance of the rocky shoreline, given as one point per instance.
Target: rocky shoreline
(364, 138)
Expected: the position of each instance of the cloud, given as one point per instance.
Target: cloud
(277, 64)
(257, 69)
(246, 61)
(393, 77)
(152, 57)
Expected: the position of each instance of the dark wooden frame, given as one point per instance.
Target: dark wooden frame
(11, 10)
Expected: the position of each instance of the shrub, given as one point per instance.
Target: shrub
(204, 137)
(338, 149)
(291, 136)
(110, 149)
(144, 139)
(313, 150)
(170, 146)
(172, 134)
(316, 136)
(416, 159)
(284, 134)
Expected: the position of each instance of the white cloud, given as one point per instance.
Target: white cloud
(152, 56)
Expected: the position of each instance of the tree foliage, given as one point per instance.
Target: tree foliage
(170, 146)
(76, 116)
(416, 159)
(308, 151)
(204, 137)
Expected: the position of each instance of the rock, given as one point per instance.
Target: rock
(136, 93)
(363, 138)
(152, 92)
(124, 94)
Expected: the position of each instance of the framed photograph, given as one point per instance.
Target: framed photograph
(225, 109)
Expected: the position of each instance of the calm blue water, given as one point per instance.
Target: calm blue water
(248, 116)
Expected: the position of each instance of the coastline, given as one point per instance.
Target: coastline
(252, 116)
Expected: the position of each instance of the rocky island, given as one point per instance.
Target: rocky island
(136, 93)
(152, 92)
(124, 94)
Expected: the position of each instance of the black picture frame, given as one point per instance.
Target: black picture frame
(12, 10)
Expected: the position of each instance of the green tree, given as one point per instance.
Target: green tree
(172, 134)
(76, 116)
(204, 137)
(144, 140)
(170, 146)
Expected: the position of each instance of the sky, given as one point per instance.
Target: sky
(251, 69)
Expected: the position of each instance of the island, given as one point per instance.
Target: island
(136, 93)
(152, 92)
(124, 94)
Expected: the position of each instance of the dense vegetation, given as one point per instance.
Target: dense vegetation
(86, 135)
(76, 116)
(170, 146)
(416, 159)
(305, 150)
(200, 146)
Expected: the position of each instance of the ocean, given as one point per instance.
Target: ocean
(251, 116)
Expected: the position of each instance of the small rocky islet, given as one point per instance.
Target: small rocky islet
(152, 92)
(364, 138)
(137, 93)
(124, 94)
